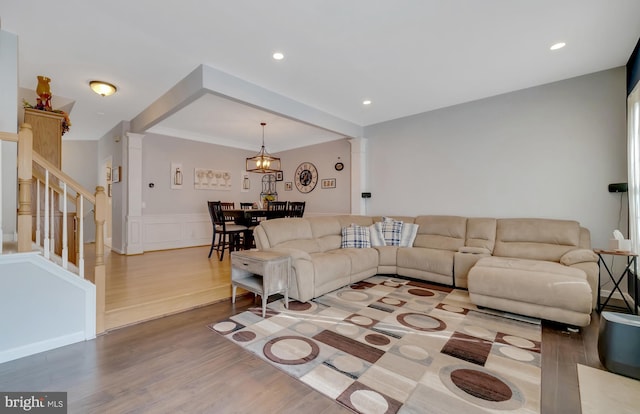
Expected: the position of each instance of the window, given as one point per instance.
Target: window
(633, 149)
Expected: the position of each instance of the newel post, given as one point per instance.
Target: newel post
(100, 274)
(25, 175)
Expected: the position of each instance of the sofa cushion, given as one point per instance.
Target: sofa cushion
(309, 246)
(286, 229)
(578, 256)
(531, 281)
(538, 239)
(359, 220)
(387, 255)
(474, 250)
(361, 259)
(331, 271)
(326, 231)
(441, 232)
(391, 231)
(481, 232)
(355, 236)
(427, 260)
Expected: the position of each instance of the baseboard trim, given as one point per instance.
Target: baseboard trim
(616, 295)
(37, 347)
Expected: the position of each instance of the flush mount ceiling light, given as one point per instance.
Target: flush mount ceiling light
(263, 162)
(366, 102)
(278, 56)
(102, 88)
(557, 46)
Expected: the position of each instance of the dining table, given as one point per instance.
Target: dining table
(251, 217)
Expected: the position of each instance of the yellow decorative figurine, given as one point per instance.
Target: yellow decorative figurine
(44, 93)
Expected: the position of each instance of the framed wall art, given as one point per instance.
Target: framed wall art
(328, 183)
(115, 174)
(210, 179)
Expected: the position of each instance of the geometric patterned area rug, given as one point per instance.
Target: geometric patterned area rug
(390, 345)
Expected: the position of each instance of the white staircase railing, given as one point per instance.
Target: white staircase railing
(58, 193)
(61, 190)
(4, 136)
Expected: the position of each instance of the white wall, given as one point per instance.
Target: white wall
(110, 146)
(42, 306)
(320, 201)
(548, 151)
(179, 217)
(8, 123)
(79, 159)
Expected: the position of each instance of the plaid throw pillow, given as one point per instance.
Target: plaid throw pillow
(355, 236)
(392, 231)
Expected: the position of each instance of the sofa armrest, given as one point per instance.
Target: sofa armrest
(578, 256)
(296, 254)
(474, 250)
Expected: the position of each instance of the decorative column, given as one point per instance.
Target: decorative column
(133, 193)
(358, 175)
(100, 276)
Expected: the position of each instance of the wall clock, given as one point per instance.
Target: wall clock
(306, 177)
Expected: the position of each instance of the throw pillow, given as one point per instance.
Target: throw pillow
(391, 231)
(408, 235)
(355, 236)
(375, 231)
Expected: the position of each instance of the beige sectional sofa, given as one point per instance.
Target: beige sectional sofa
(538, 267)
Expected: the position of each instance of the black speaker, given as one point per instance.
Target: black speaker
(618, 188)
(366, 195)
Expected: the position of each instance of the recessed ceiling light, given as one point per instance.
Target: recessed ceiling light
(557, 46)
(366, 102)
(278, 56)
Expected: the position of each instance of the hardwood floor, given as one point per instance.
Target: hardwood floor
(176, 364)
(160, 283)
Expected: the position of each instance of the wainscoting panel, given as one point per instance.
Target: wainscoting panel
(174, 231)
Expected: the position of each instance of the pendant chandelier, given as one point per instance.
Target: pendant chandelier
(263, 162)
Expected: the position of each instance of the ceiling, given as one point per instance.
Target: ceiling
(406, 56)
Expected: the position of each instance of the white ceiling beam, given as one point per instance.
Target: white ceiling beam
(205, 79)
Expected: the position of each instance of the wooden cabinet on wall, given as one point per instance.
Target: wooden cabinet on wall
(47, 134)
(47, 141)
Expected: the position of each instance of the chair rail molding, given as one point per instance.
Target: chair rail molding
(174, 231)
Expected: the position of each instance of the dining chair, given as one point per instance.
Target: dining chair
(230, 235)
(279, 206)
(249, 241)
(296, 208)
(228, 206)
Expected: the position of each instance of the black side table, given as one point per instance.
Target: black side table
(631, 260)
